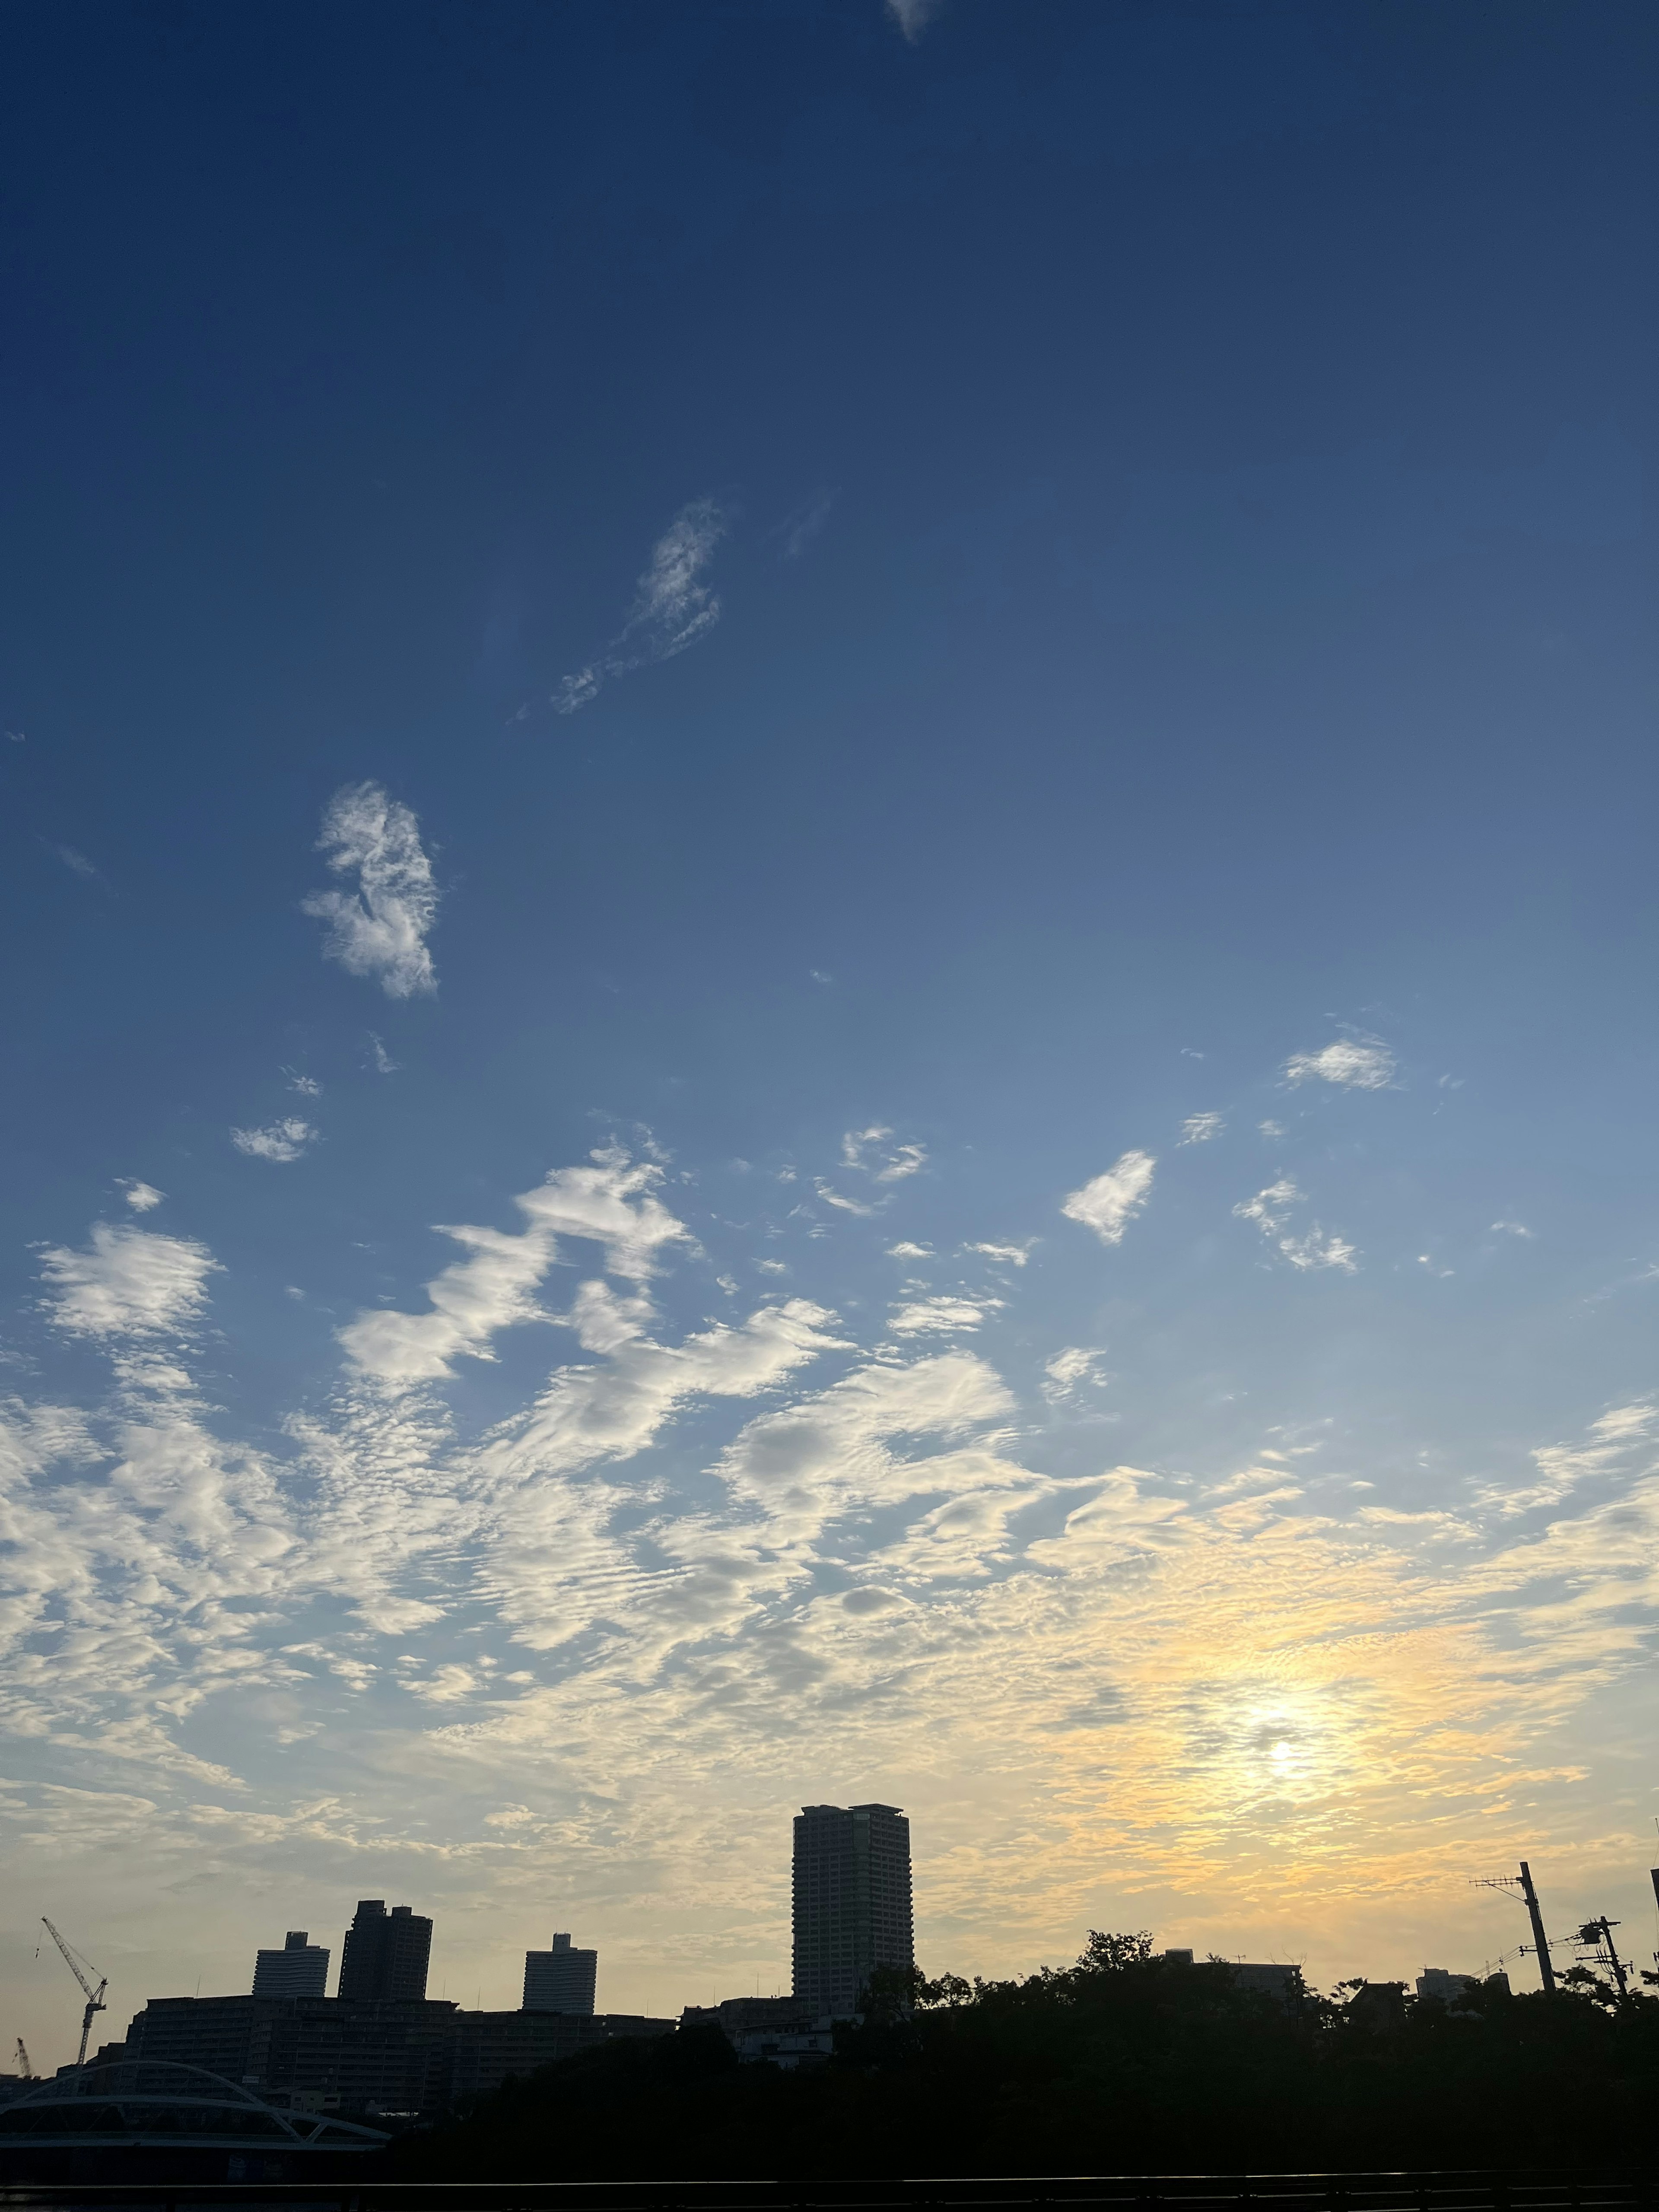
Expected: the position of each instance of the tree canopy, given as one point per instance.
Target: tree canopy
(1127, 2061)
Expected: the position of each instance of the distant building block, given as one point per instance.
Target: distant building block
(1453, 1990)
(300, 1969)
(770, 2031)
(386, 1955)
(562, 1980)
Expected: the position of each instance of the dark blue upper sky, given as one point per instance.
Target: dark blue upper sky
(1167, 590)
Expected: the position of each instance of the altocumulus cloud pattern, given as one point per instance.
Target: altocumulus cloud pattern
(734, 1538)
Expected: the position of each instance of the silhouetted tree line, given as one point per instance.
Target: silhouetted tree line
(1125, 2063)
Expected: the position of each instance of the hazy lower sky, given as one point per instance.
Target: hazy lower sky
(829, 860)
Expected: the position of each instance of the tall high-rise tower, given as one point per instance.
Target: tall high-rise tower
(851, 1901)
(300, 1969)
(560, 1980)
(385, 1954)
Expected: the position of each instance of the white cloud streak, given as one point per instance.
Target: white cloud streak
(872, 1153)
(1111, 1201)
(379, 930)
(941, 1315)
(611, 1202)
(1198, 1128)
(840, 1202)
(672, 607)
(799, 528)
(142, 1197)
(77, 864)
(1070, 1369)
(1271, 1210)
(913, 17)
(1356, 1063)
(129, 1282)
(280, 1142)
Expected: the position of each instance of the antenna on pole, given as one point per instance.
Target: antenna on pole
(1523, 1882)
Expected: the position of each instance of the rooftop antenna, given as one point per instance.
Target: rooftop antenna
(1523, 1882)
(74, 1961)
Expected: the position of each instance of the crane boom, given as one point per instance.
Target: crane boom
(94, 1997)
(23, 2066)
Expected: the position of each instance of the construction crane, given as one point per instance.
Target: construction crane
(23, 2065)
(81, 1968)
(1523, 1882)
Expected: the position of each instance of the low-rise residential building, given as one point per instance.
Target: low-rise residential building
(777, 2031)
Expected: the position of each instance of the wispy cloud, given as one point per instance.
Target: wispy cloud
(1198, 1128)
(611, 1202)
(1271, 1210)
(1563, 1468)
(379, 930)
(872, 1153)
(1316, 1249)
(672, 607)
(129, 1282)
(906, 1250)
(1358, 1063)
(941, 1315)
(141, 1196)
(280, 1141)
(840, 1202)
(1068, 1370)
(1514, 1228)
(913, 17)
(1012, 1255)
(1111, 1201)
(384, 1063)
(306, 1086)
(77, 862)
(799, 528)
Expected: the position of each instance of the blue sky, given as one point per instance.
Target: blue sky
(828, 858)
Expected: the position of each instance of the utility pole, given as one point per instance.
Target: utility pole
(1540, 1941)
(1599, 1932)
(1545, 1968)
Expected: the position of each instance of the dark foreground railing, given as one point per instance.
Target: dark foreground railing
(1436, 2191)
